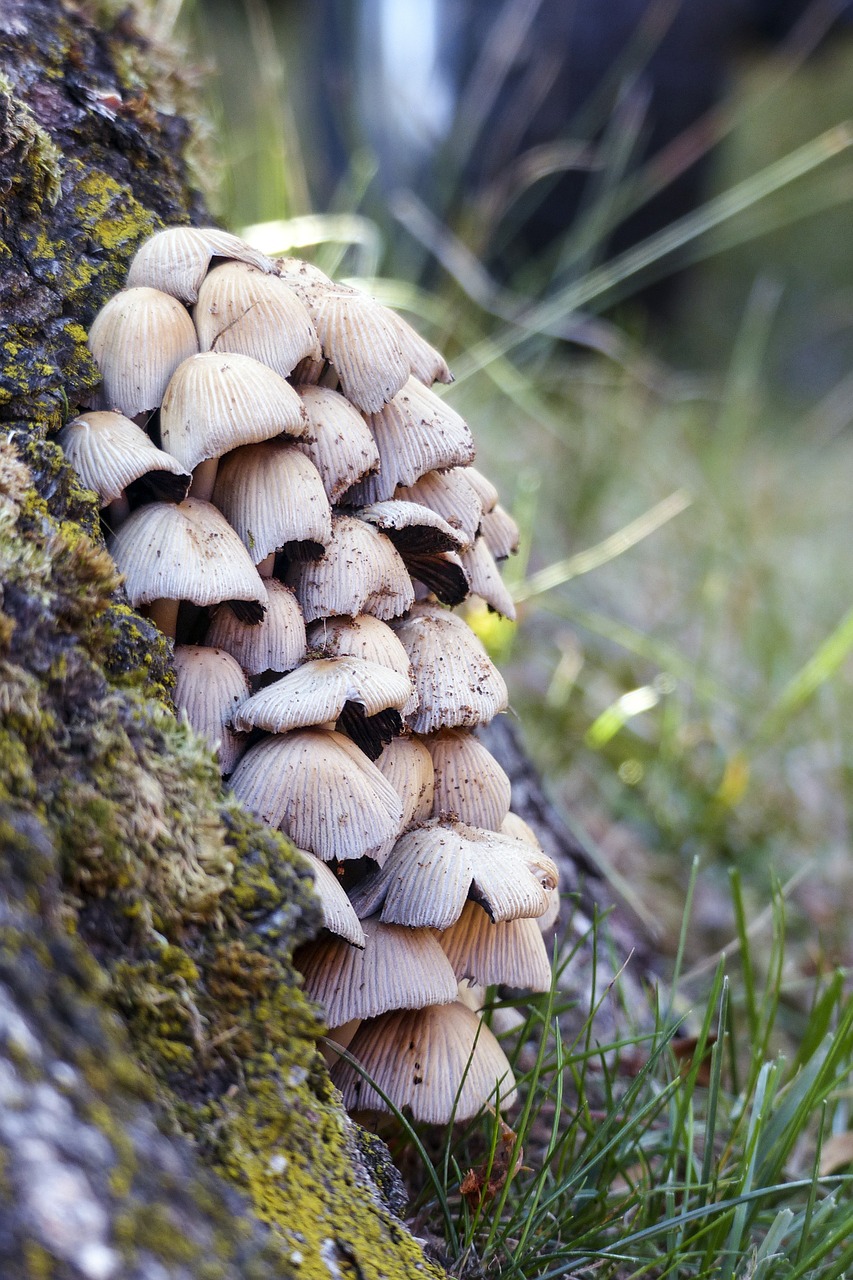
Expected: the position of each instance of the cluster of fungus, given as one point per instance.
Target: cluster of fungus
(291, 504)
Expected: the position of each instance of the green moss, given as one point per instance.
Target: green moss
(38, 159)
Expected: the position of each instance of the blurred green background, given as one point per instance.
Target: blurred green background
(688, 686)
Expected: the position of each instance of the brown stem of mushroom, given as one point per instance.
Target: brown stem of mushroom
(341, 1036)
(266, 566)
(204, 478)
(117, 512)
(164, 614)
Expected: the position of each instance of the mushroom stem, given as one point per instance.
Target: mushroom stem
(266, 566)
(117, 511)
(164, 614)
(339, 1036)
(204, 478)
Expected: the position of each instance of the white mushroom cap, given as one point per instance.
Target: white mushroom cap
(432, 871)
(485, 579)
(361, 572)
(363, 637)
(449, 494)
(273, 496)
(500, 532)
(483, 487)
(407, 765)
(469, 783)
(138, 340)
(513, 825)
(415, 433)
(109, 452)
(412, 526)
(342, 448)
(511, 952)
(440, 1063)
(242, 310)
(277, 644)
(185, 552)
(456, 681)
(320, 690)
(209, 688)
(425, 363)
(397, 969)
(176, 260)
(338, 914)
(322, 792)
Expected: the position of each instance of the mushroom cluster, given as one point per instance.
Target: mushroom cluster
(291, 503)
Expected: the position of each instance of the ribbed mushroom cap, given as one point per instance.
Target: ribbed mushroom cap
(513, 825)
(415, 433)
(397, 969)
(278, 644)
(109, 452)
(338, 914)
(440, 1063)
(242, 310)
(469, 783)
(456, 681)
(322, 792)
(176, 260)
(512, 952)
(485, 578)
(217, 401)
(407, 765)
(318, 692)
(342, 447)
(425, 363)
(412, 526)
(363, 637)
(138, 340)
(185, 552)
(500, 532)
(273, 496)
(483, 487)
(361, 572)
(359, 338)
(209, 687)
(449, 494)
(439, 577)
(432, 871)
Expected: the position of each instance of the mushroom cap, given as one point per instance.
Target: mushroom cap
(513, 825)
(440, 1063)
(184, 552)
(485, 578)
(449, 494)
(273, 496)
(209, 687)
(500, 532)
(433, 869)
(361, 572)
(456, 681)
(216, 401)
(415, 433)
(397, 969)
(138, 340)
(109, 452)
(176, 260)
(341, 445)
(318, 691)
(412, 526)
(483, 487)
(363, 637)
(407, 765)
(511, 952)
(425, 363)
(469, 783)
(338, 914)
(242, 310)
(277, 644)
(322, 792)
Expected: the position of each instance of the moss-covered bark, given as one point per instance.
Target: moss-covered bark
(127, 882)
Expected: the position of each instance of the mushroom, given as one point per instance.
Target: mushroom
(363, 637)
(209, 687)
(176, 260)
(427, 544)
(274, 497)
(407, 765)
(425, 363)
(217, 401)
(190, 552)
(440, 1063)
(241, 309)
(511, 952)
(338, 915)
(485, 578)
(362, 696)
(138, 340)
(276, 644)
(110, 453)
(451, 496)
(361, 572)
(433, 869)
(340, 443)
(456, 681)
(469, 784)
(513, 825)
(500, 532)
(317, 787)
